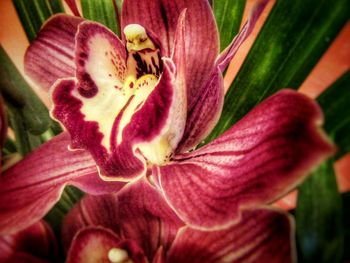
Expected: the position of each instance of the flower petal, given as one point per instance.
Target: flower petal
(121, 135)
(200, 120)
(259, 159)
(138, 213)
(20, 257)
(100, 58)
(226, 56)
(261, 235)
(32, 186)
(93, 244)
(205, 113)
(51, 55)
(162, 18)
(37, 240)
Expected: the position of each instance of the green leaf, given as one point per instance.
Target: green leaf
(335, 105)
(293, 39)
(102, 11)
(18, 93)
(319, 209)
(9, 147)
(69, 197)
(25, 141)
(228, 16)
(319, 217)
(33, 14)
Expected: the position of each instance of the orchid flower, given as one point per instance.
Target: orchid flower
(136, 225)
(138, 107)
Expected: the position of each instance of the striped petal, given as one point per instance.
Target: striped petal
(121, 126)
(162, 18)
(31, 187)
(137, 213)
(36, 243)
(259, 159)
(97, 244)
(51, 55)
(204, 114)
(261, 235)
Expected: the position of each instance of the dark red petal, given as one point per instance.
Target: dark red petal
(32, 186)
(51, 54)
(261, 235)
(204, 114)
(262, 157)
(20, 257)
(37, 241)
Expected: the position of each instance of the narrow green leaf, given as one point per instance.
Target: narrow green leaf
(319, 217)
(69, 197)
(104, 12)
(25, 141)
(33, 13)
(335, 105)
(342, 139)
(293, 39)
(228, 16)
(18, 93)
(319, 210)
(9, 147)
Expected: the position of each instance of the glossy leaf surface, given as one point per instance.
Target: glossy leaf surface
(319, 212)
(33, 13)
(335, 104)
(104, 12)
(228, 16)
(319, 225)
(294, 37)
